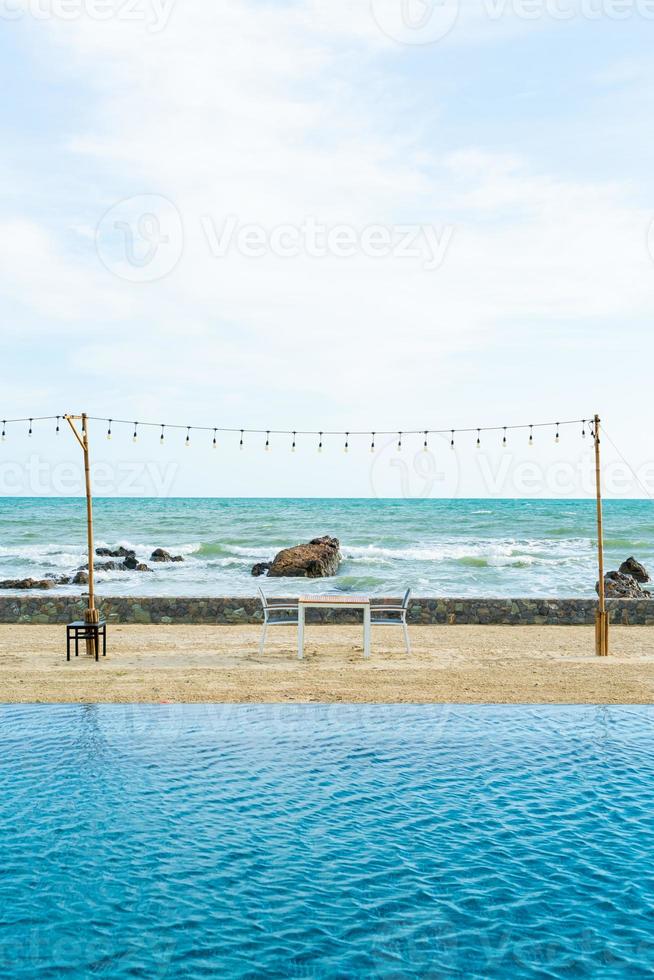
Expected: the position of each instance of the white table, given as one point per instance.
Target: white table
(333, 602)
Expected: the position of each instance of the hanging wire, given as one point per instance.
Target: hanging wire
(188, 436)
(324, 432)
(346, 448)
(161, 437)
(215, 439)
(425, 446)
(586, 425)
(293, 446)
(267, 441)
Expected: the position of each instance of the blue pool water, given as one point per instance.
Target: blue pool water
(326, 841)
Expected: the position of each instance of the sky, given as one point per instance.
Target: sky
(327, 215)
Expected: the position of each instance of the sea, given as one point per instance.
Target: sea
(463, 548)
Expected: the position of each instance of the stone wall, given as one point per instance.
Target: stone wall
(224, 611)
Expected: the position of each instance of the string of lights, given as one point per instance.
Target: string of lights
(401, 435)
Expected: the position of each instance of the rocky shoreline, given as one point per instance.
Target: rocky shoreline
(128, 563)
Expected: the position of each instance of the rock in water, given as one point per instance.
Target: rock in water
(635, 569)
(319, 558)
(261, 568)
(115, 553)
(160, 555)
(617, 585)
(28, 583)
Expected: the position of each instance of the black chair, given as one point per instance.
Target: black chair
(80, 630)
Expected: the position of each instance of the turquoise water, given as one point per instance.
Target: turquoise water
(439, 547)
(326, 841)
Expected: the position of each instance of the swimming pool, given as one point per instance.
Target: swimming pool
(326, 841)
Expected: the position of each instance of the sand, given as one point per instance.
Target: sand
(490, 664)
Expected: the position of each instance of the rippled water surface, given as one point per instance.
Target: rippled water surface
(326, 841)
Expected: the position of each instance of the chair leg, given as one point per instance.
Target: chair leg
(263, 638)
(406, 637)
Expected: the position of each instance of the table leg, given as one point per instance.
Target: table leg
(300, 632)
(366, 632)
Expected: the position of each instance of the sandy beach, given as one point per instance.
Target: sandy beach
(222, 664)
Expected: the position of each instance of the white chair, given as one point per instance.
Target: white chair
(387, 614)
(270, 609)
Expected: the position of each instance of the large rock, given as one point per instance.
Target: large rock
(617, 585)
(319, 558)
(160, 555)
(635, 569)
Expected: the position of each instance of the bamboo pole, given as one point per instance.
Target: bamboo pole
(91, 614)
(601, 616)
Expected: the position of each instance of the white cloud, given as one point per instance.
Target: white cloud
(276, 113)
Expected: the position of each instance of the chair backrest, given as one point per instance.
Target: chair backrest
(406, 599)
(264, 603)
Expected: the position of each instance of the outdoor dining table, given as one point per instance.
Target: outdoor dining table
(333, 602)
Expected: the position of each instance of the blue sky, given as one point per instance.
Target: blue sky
(523, 146)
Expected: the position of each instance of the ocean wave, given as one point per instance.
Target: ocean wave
(357, 583)
(626, 543)
(466, 549)
(253, 551)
